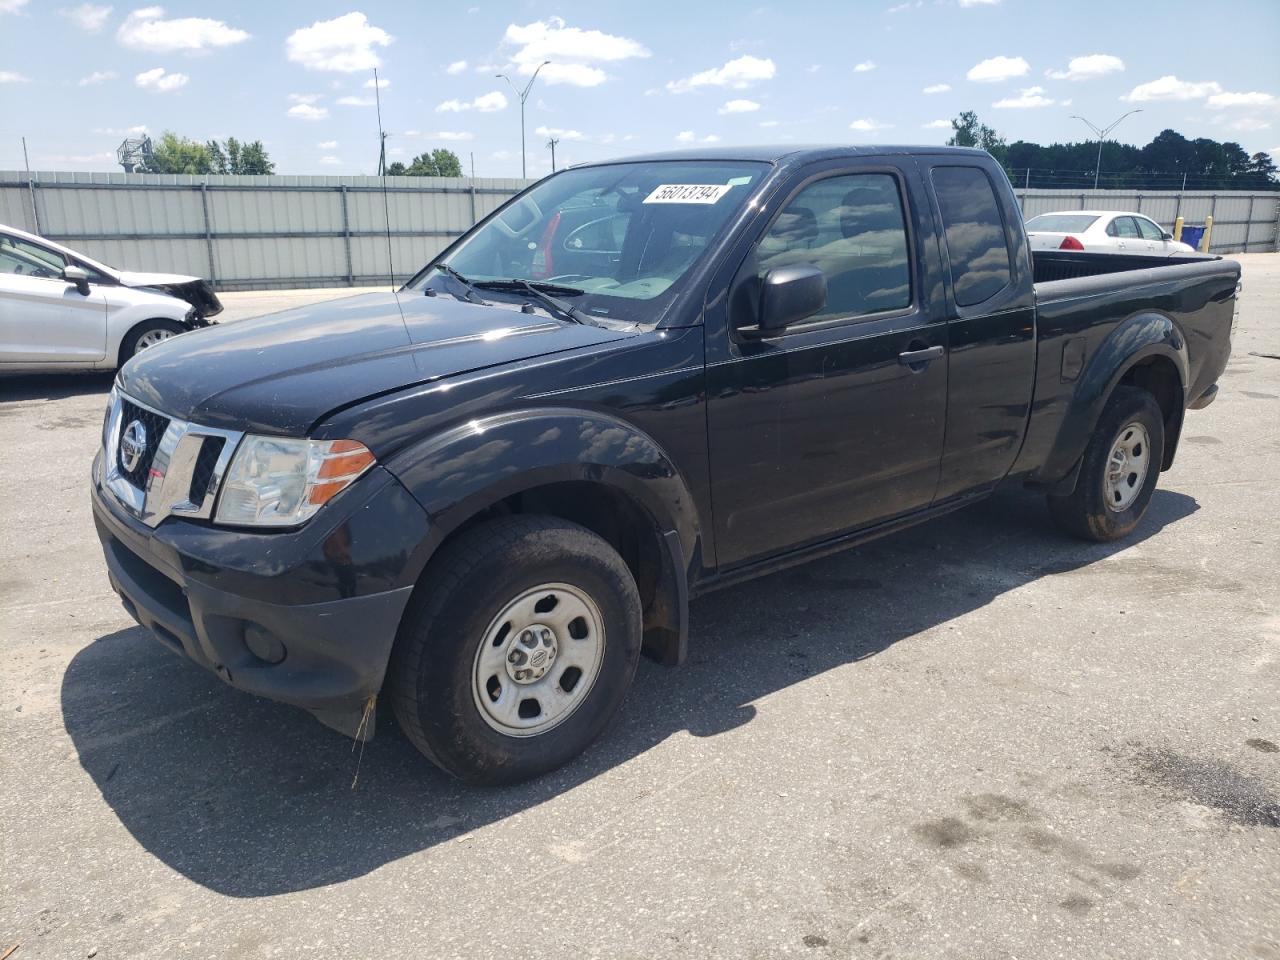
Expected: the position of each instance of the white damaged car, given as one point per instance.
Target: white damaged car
(63, 311)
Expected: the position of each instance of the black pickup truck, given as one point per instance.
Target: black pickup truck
(479, 498)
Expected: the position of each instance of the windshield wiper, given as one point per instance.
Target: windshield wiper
(539, 291)
(470, 287)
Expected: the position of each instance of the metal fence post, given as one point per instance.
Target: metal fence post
(346, 235)
(1213, 209)
(1248, 225)
(1275, 239)
(1177, 208)
(208, 233)
(473, 201)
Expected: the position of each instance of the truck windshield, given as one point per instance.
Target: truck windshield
(613, 238)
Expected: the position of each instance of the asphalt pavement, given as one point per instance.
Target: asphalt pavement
(974, 739)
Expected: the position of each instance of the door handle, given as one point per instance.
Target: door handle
(917, 359)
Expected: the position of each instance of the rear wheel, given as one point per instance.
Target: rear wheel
(517, 649)
(147, 334)
(1119, 470)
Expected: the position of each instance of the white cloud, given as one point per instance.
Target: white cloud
(937, 125)
(458, 66)
(161, 82)
(996, 69)
(739, 106)
(573, 52)
(12, 6)
(769, 123)
(87, 16)
(736, 74)
(1026, 98)
(1171, 88)
(866, 66)
(125, 132)
(485, 103)
(382, 83)
(451, 135)
(327, 145)
(1088, 67)
(1252, 99)
(560, 134)
(307, 111)
(12, 76)
(867, 125)
(978, 3)
(351, 101)
(813, 68)
(304, 97)
(145, 29)
(1248, 124)
(937, 88)
(344, 44)
(688, 136)
(330, 161)
(96, 78)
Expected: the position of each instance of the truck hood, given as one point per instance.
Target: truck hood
(194, 290)
(280, 374)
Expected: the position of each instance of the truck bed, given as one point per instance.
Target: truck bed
(1070, 264)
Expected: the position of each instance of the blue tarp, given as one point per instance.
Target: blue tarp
(1192, 235)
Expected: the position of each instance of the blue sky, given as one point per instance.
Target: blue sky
(624, 78)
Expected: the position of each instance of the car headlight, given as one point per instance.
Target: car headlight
(282, 482)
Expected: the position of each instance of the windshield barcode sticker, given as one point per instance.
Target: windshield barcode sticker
(687, 193)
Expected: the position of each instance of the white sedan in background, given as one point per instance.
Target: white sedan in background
(62, 311)
(1103, 231)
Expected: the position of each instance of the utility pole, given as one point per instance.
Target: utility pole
(552, 144)
(1102, 135)
(522, 96)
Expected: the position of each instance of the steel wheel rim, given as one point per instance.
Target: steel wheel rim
(546, 639)
(1127, 466)
(152, 337)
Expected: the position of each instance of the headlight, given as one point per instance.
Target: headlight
(282, 482)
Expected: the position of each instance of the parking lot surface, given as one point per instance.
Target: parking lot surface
(975, 739)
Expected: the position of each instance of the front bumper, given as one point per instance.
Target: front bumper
(306, 617)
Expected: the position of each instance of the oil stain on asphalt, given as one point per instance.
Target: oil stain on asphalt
(1242, 799)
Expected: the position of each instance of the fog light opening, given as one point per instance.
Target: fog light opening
(263, 644)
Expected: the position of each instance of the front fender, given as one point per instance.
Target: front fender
(456, 474)
(1136, 339)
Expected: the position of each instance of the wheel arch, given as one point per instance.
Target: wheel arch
(135, 327)
(1148, 351)
(586, 467)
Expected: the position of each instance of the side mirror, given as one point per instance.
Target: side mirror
(79, 276)
(789, 294)
(1167, 235)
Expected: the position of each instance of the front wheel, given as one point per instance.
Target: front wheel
(1118, 472)
(147, 334)
(517, 649)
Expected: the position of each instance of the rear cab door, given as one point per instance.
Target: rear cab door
(990, 305)
(836, 422)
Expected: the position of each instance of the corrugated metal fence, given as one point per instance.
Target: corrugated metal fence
(259, 232)
(1243, 222)
(250, 233)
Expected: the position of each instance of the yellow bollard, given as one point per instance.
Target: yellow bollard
(1208, 232)
(1177, 228)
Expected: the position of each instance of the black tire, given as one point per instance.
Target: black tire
(1086, 512)
(431, 677)
(129, 345)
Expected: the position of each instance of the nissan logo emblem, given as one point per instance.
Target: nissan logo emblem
(133, 444)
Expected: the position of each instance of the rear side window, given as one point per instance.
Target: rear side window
(853, 229)
(1061, 223)
(1123, 227)
(975, 233)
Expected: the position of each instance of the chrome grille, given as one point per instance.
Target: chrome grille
(181, 467)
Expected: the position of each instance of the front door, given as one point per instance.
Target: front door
(837, 422)
(44, 318)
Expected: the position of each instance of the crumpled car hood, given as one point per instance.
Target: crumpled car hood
(194, 290)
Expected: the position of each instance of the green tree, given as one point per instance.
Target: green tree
(1262, 170)
(969, 131)
(232, 156)
(397, 169)
(437, 163)
(175, 154)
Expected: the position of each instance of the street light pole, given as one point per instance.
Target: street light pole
(1102, 135)
(522, 96)
(551, 142)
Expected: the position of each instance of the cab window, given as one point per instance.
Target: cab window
(974, 231)
(853, 229)
(28, 259)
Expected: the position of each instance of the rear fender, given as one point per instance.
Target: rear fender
(1133, 342)
(462, 472)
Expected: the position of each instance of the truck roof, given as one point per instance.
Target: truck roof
(790, 153)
